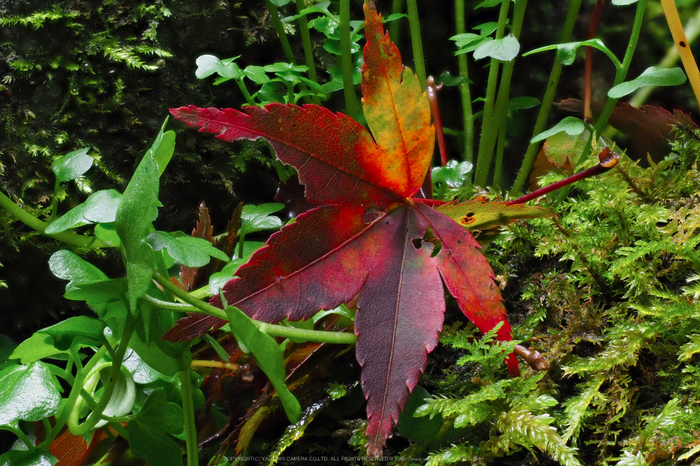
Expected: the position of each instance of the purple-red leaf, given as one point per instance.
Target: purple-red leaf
(368, 236)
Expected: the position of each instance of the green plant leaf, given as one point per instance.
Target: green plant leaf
(504, 49)
(153, 445)
(268, 355)
(69, 266)
(138, 209)
(218, 279)
(7, 346)
(187, 250)
(160, 414)
(258, 218)
(72, 165)
(570, 125)
(107, 232)
(78, 330)
(35, 457)
(29, 393)
(420, 429)
(624, 2)
(101, 206)
(452, 174)
(209, 64)
(566, 52)
(36, 347)
(123, 395)
(142, 372)
(652, 76)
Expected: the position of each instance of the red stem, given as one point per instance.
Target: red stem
(608, 159)
(587, 112)
(432, 89)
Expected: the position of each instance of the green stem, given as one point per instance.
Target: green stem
(188, 411)
(321, 336)
(483, 161)
(692, 30)
(416, 41)
(22, 436)
(244, 90)
(464, 89)
(500, 112)
(308, 51)
(569, 23)
(352, 103)
(610, 104)
(86, 242)
(77, 386)
(397, 7)
(114, 374)
(271, 329)
(279, 28)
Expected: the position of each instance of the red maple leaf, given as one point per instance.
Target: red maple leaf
(369, 236)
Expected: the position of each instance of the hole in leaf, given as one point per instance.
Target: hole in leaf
(468, 219)
(434, 243)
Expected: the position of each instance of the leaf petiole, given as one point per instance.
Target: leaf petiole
(321, 336)
(608, 159)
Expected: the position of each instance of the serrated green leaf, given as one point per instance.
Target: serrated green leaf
(72, 165)
(36, 457)
(652, 76)
(504, 49)
(268, 355)
(153, 445)
(29, 393)
(138, 209)
(163, 356)
(187, 250)
(570, 125)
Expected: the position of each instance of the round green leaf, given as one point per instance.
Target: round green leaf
(570, 125)
(418, 428)
(504, 49)
(452, 174)
(29, 393)
(72, 165)
(624, 2)
(652, 76)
